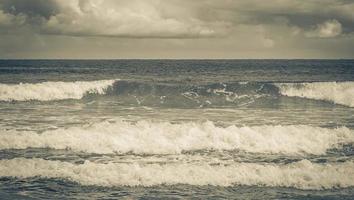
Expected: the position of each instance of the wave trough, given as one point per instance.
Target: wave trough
(301, 175)
(47, 91)
(146, 137)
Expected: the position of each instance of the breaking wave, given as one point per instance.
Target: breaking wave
(302, 174)
(131, 92)
(336, 92)
(48, 91)
(180, 94)
(146, 137)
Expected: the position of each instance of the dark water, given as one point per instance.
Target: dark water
(228, 129)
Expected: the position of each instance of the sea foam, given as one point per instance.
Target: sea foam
(47, 91)
(302, 174)
(146, 137)
(336, 92)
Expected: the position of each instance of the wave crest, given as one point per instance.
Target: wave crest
(180, 94)
(146, 137)
(48, 91)
(302, 174)
(336, 92)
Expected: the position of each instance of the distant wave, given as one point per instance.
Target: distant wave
(47, 91)
(146, 137)
(302, 174)
(336, 92)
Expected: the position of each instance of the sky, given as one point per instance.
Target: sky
(237, 29)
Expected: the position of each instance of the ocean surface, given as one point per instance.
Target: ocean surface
(177, 129)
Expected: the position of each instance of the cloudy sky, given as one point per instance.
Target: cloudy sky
(176, 28)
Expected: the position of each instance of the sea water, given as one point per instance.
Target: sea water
(217, 129)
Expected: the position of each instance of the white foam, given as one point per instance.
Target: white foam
(47, 91)
(302, 175)
(146, 137)
(336, 92)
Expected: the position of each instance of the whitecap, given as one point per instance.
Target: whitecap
(336, 92)
(145, 137)
(47, 91)
(302, 175)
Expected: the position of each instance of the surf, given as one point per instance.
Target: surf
(301, 175)
(49, 91)
(180, 94)
(146, 137)
(335, 92)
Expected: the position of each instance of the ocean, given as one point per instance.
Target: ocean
(177, 129)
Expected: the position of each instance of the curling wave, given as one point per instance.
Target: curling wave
(302, 174)
(156, 94)
(47, 91)
(336, 92)
(146, 137)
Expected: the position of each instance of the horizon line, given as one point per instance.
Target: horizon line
(176, 59)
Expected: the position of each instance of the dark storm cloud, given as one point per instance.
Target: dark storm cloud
(41, 8)
(22, 16)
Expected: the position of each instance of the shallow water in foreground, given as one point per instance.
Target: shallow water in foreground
(228, 129)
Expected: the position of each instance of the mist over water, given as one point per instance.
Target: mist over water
(177, 128)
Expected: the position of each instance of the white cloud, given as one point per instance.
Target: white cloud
(214, 28)
(328, 29)
(7, 20)
(119, 18)
(4, 18)
(175, 18)
(268, 43)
